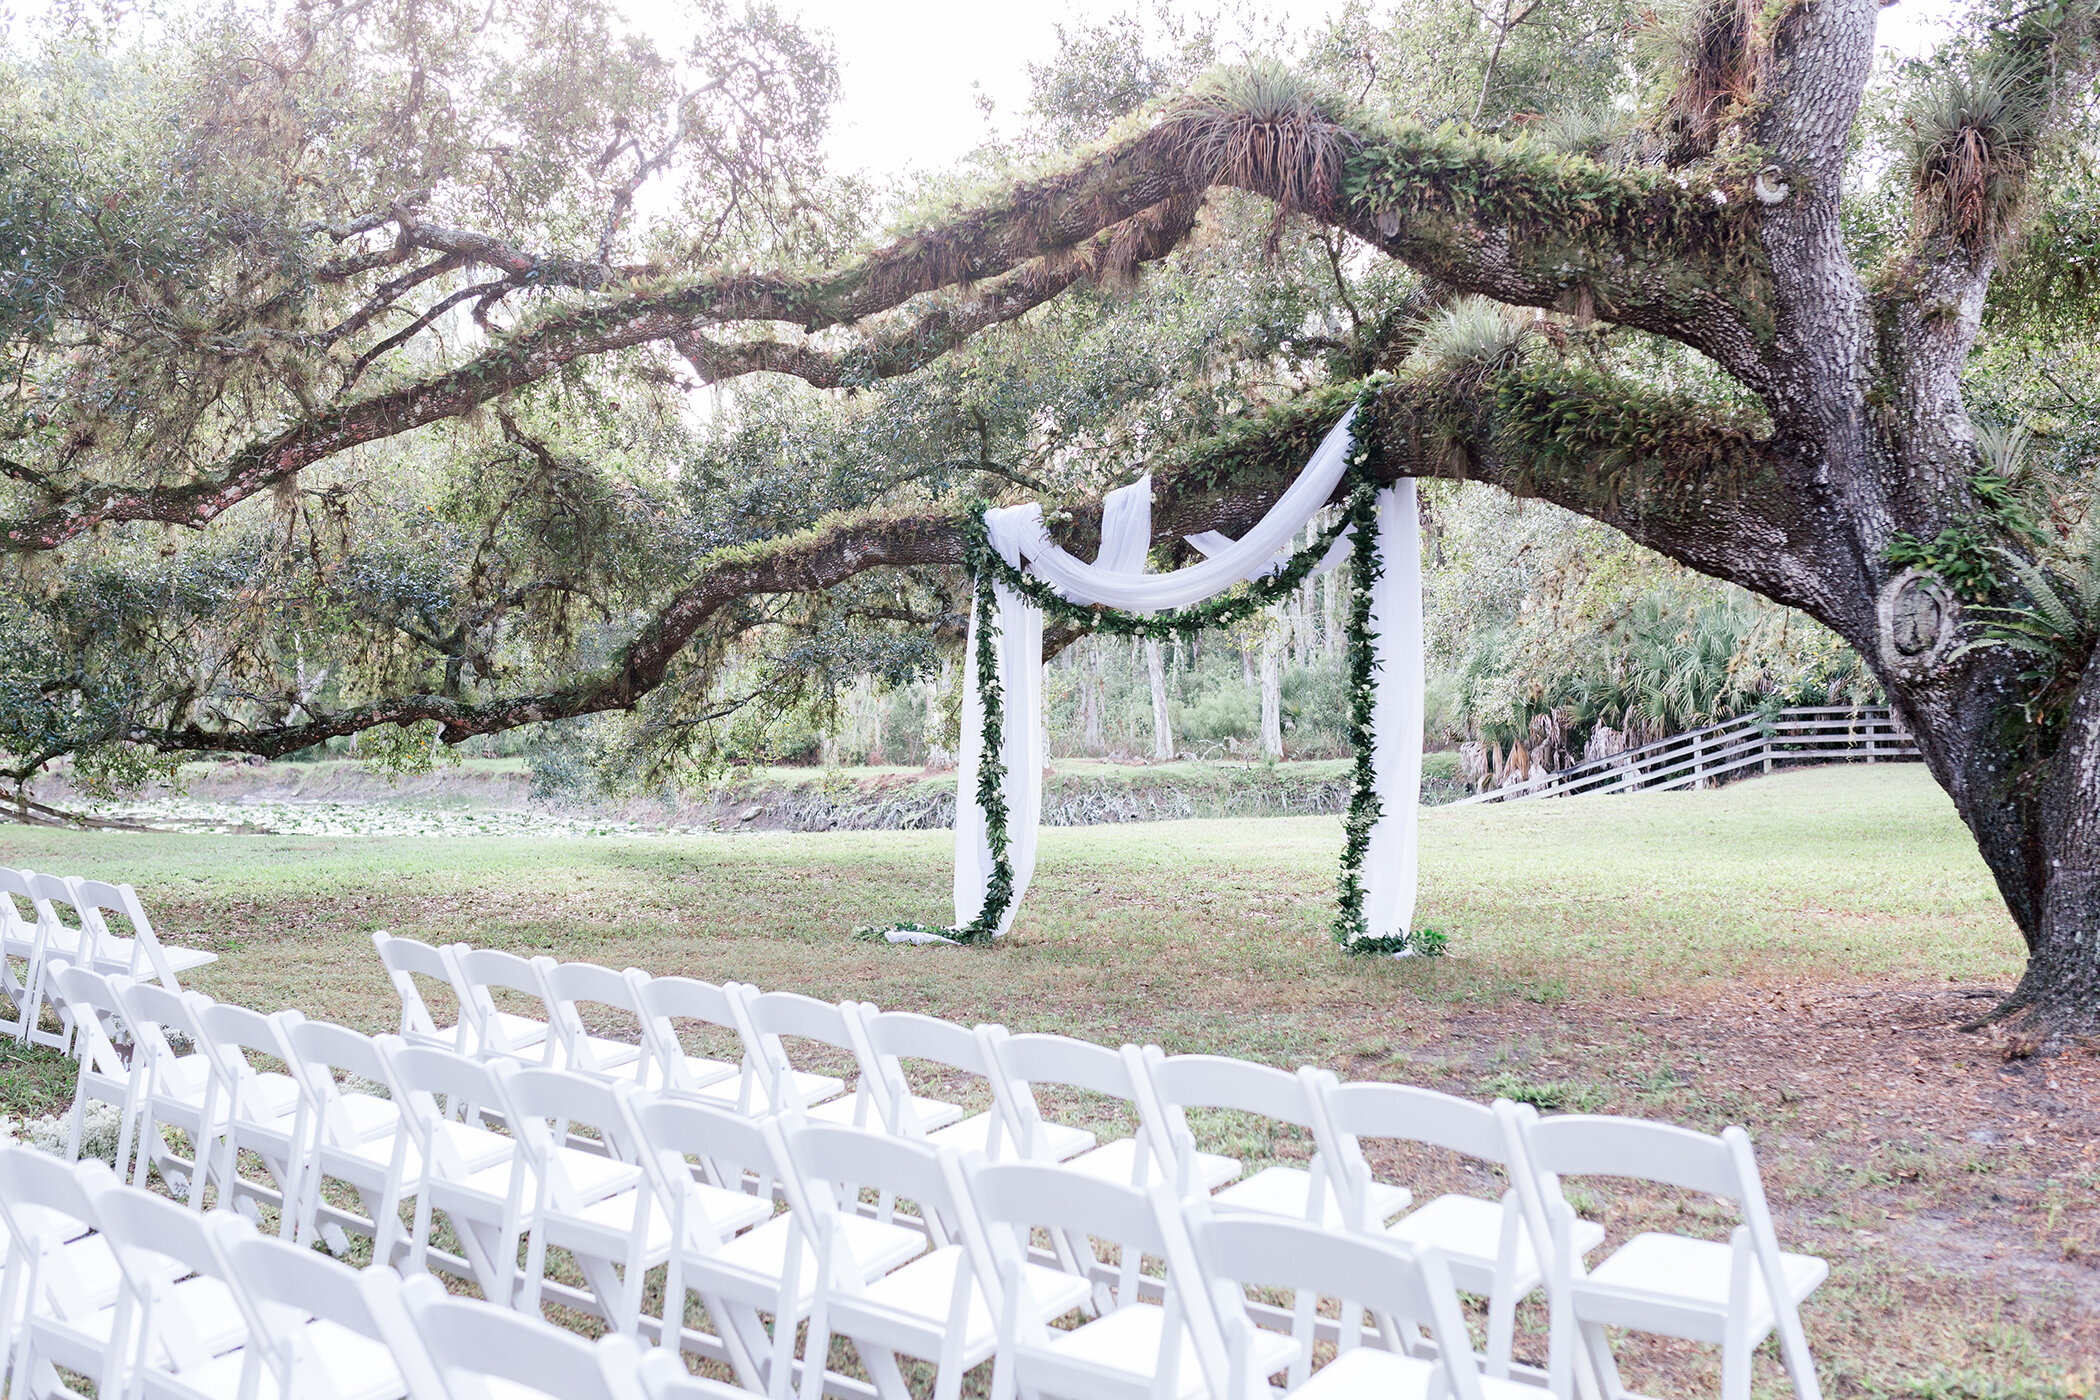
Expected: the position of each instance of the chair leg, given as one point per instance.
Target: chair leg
(1735, 1369)
(1502, 1332)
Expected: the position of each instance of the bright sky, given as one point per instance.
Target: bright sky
(910, 65)
(913, 69)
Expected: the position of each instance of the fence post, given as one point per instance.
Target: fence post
(1699, 759)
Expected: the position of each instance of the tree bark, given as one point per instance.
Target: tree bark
(1272, 692)
(1162, 717)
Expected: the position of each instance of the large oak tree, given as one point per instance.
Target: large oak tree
(397, 232)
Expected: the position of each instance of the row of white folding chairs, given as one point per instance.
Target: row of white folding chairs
(1718, 1292)
(146, 1299)
(143, 1297)
(45, 936)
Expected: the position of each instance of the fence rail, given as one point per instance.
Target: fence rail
(1807, 734)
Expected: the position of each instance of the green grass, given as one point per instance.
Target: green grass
(1859, 873)
(1604, 950)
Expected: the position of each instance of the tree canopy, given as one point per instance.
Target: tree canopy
(414, 368)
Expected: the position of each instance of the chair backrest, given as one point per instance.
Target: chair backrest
(897, 1036)
(666, 1001)
(471, 1342)
(1597, 1145)
(44, 1202)
(281, 1286)
(155, 1014)
(14, 885)
(148, 1234)
(51, 894)
(1027, 1060)
(550, 1104)
(95, 900)
(769, 1016)
(835, 1163)
(229, 1034)
(724, 1143)
(97, 1009)
(1238, 1251)
(481, 969)
(406, 959)
(1345, 1114)
(419, 1075)
(321, 1050)
(569, 984)
(1009, 1201)
(1174, 1083)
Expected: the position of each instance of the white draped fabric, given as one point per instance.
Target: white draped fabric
(1117, 579)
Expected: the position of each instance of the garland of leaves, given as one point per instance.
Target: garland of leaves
(992, 571)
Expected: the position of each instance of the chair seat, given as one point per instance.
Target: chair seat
(1390, 1375)
(814, 1088)
(365, 1116)
(930, 1113)
(356, 1367)
(594, 1177)
(729, 1211)
(1127, 1340)
(1285, 1191)
(519, 1033)
(1672, 1270)
(974, 1133)
(604, 1054)
(119, 955)
(700, 1071)
(1468, 1230)
(877, 1245)
(924, 1288)
(1115, 1161)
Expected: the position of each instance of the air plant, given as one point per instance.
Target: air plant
(1474, 336)
(1969, 145)
(2056, 626)
(1263, 127)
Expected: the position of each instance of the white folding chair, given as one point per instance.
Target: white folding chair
(571, 986)
(358, 1137)
(406, 960)
(192, 1329)
(1241, 1251)
(1062, 1062)
(55, 941)
(1177, 1083)
(443, 1096)
(131, 947)
(770, 1018)
(264, 1114)
(483, 1352)
(933, 1307)
(668, 1064)
(597, 1205)
(1135, 1349)
(894, 1037)
(21, 940)
(1485, 1243)
(324, 1330)
(62, 1299)
(181, 1089)
(1734, 1294)
(107, 1074)
(477, 975)
(769, 1268)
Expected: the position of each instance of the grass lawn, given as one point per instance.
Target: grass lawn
(1792, 953)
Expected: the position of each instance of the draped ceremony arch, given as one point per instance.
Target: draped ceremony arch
(1021, 572)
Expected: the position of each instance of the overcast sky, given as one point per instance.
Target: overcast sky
(913, 68)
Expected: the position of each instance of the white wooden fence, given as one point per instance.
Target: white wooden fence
(1808, 734)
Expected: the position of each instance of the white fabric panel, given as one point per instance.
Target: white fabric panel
(1390, 874)
(1126, 527)
(1019, 649)
(1210, 543)
(1150, 593)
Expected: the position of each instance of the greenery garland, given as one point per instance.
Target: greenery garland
(991, 571)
